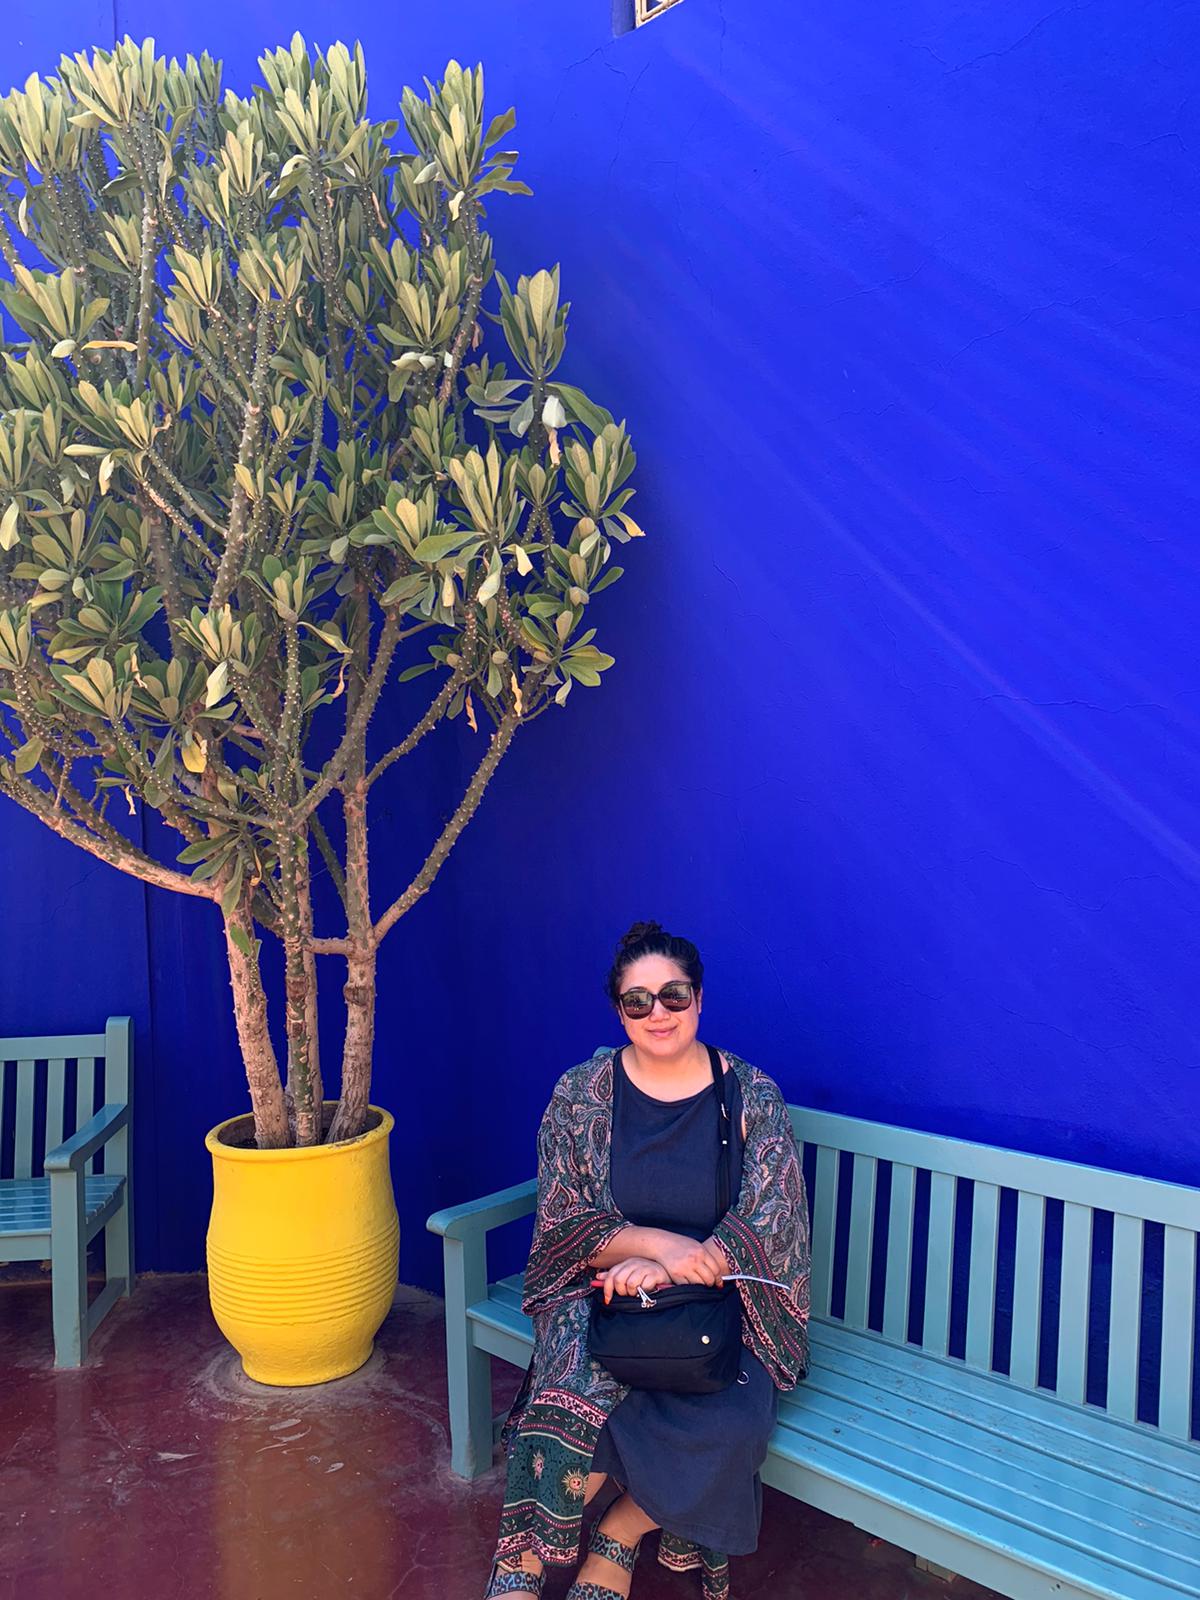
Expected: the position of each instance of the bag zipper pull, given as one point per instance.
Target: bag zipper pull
(647, 1302)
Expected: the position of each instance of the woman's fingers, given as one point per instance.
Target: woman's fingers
(619, 1277)
(651, 1276)
(697, 1270)
(638, 1272)
(717, 1258)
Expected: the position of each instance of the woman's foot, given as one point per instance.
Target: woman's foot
(612, 1551)
(507, 1575)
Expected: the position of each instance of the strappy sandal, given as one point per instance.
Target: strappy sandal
(514, 1581)
(622, 1555)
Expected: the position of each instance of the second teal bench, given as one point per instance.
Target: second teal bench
(55, 1202)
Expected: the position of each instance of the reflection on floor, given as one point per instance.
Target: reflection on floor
(160, 1471)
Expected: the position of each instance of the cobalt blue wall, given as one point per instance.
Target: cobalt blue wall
(900, 306)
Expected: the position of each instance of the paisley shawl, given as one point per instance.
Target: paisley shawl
(550, 1434)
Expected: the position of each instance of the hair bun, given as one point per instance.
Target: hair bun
(639, 931)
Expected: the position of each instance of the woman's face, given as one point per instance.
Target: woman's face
(663, 1033)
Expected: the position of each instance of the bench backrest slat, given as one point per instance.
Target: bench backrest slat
(1073, 1301)
(1027, 1289)
(981, 1290)
(1125, 1317)
(824, 1222)
(56, 1096)
(23, 1147)
(35, 1080)
(939, 1263)
(897, 1281)
(990, 1257)
(85, 1095)
(862, 1228)
(1178, 1356)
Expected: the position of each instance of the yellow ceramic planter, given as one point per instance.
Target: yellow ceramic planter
(302, 1253)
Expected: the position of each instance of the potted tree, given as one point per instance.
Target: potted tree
(255, 469)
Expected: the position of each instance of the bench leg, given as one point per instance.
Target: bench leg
(932, 1567)
(118, 1243)
(468, 1370)
(68, 1259)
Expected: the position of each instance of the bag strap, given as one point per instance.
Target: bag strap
(724, 1154)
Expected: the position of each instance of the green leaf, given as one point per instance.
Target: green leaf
(8, 526)
(231, 893)
(331, 637)
(214, 687)
(589, 678)
(592, 416)
(201, 850)
(210, 868)
(28, 755)
(404, 588)
(194, 753)
(587, 655)
(415, 672)
(439, 545)
(521, 418)
(248, 947)
(491, 584)
(610, 576)
(499, 126)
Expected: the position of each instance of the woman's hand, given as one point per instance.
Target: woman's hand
(688, 1261)
(636, 1272)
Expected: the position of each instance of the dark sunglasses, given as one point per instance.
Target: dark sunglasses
(675, 996)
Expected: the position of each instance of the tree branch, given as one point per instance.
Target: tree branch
(329, 856)
(356, 727)
(469, 804)
(229, 570)
(128, 859)
(427, 723)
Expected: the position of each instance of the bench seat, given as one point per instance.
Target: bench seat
(1027, 1492)
(25, 1210)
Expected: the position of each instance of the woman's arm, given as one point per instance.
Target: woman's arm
(629, 1242)
(765, 1235)
(684, 1259)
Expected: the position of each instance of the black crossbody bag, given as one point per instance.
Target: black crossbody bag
(686, 1338)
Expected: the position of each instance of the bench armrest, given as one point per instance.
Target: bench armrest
(71, 1155)
(481, 1216)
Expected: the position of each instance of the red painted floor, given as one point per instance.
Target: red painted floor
(160, 1471)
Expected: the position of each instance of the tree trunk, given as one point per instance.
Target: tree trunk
(299, 987)
(358, 1050)
(351, 1117)
(311, 1015)
(258, 1053)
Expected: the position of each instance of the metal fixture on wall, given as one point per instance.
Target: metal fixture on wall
(646, 10)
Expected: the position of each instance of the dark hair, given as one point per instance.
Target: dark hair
(649, 939)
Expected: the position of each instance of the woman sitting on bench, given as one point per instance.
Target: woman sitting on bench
(629, 1198)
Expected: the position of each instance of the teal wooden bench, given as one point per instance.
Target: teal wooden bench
(55, 1202)
(923, 1421)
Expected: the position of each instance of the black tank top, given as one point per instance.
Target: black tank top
(663, 1170)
